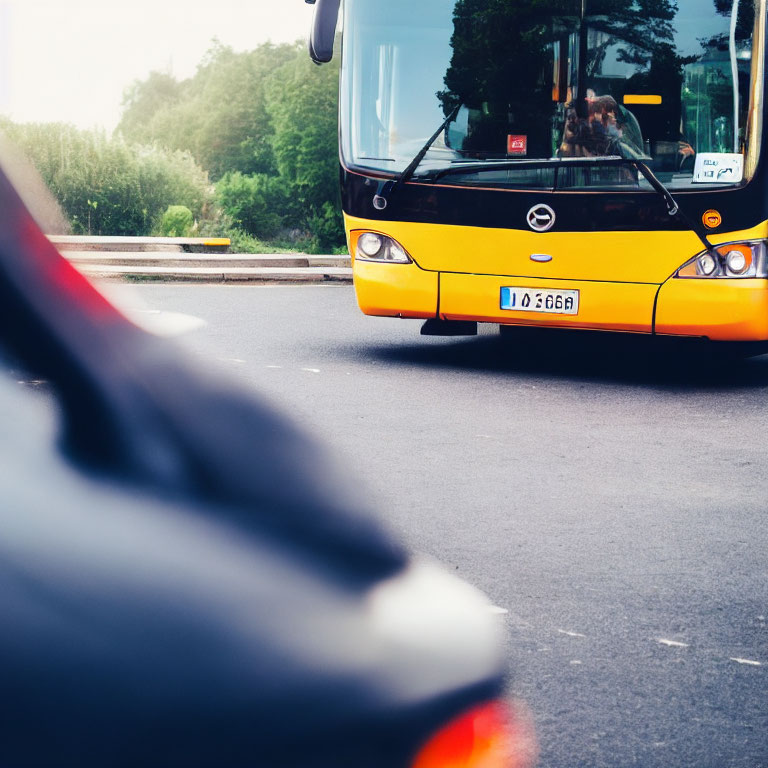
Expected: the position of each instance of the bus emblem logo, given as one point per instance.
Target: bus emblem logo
(541, 218)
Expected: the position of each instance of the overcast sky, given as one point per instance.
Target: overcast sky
(71, 60)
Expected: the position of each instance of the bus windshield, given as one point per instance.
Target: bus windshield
(673, 83)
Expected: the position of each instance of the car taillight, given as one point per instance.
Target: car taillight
(493, 735)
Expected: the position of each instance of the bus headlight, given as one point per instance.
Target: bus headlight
(748, 259)
(372, 246)
(706, 264)
(737, 262)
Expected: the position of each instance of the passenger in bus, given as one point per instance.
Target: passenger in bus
(575, 134)
(608, 129)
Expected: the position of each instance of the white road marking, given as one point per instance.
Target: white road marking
(748, 662)
(570, 634)
(232, 360)
(162, 323)
(274, 366)
(311, 370)
(496, 609)
(672, 643)
(575, 662)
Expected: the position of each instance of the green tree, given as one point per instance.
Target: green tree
(143, 100)
(263, 124)
(302, 101)
(255, 203)
(218, 115)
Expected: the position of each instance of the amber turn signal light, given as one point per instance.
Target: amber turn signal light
(712, 219)
(493, 735)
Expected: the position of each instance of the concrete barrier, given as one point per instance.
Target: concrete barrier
(170, 260)
(141, 244)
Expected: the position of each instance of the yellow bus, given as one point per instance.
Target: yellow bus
(590, 164)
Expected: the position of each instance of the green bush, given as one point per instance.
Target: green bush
(242, 242)
(256, 204)
(327, 228)
(106, 186)
(177, 221)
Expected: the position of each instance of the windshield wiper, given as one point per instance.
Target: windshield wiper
(386, 188)
(672, 205)
(558, 162)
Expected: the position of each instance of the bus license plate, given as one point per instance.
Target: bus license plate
(540, 300)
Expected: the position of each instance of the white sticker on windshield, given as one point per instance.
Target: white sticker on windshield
(718, 168)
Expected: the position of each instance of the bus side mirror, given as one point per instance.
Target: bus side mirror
(323, 30)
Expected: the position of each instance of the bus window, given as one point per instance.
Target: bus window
(661, 82)
(389, 67)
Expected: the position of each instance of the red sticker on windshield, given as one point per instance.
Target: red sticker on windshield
(517, 145)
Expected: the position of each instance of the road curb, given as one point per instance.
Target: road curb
(103, 244)
(174, 265)
(240, 275)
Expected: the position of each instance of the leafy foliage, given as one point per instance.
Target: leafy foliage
(219, 115)
(256, 204)
(177, 221)
(106, 186)
(327, 227)
(143, 100)
(302, 101)
(262, 124)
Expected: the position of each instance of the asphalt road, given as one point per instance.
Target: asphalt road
(608, 493)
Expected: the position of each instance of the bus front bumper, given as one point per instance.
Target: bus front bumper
(718, 309)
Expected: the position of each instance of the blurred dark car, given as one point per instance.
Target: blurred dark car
(183, 579)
